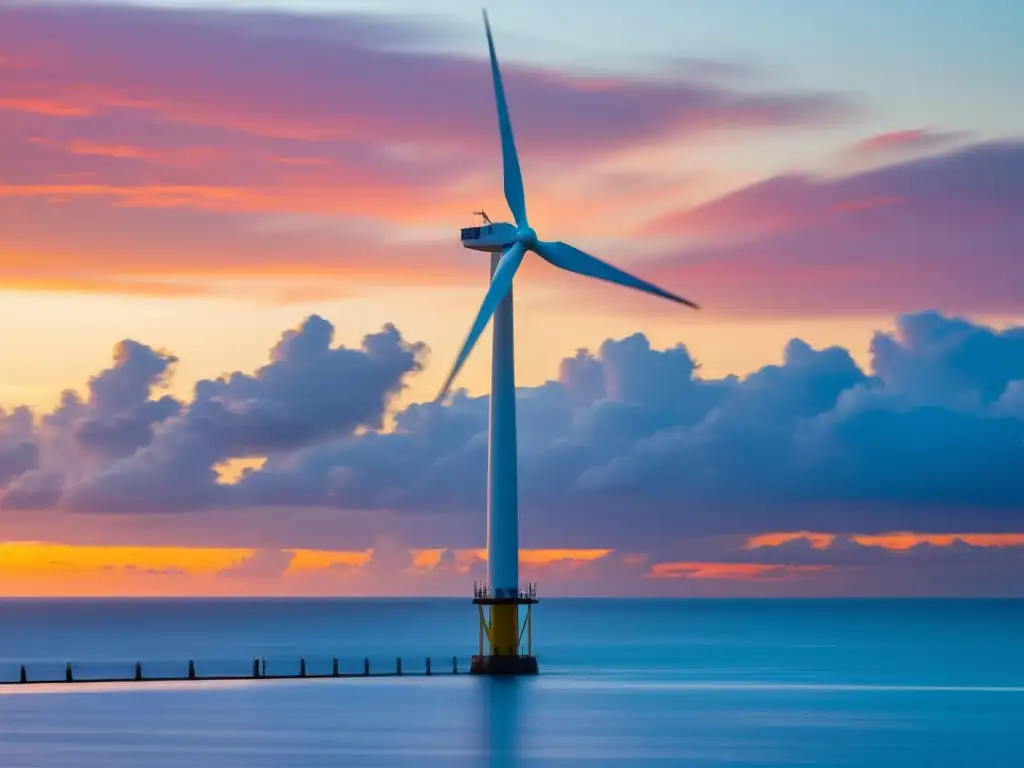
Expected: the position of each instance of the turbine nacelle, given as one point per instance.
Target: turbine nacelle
(513, 242)
(489, 237)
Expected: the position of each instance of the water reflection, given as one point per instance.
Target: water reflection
(501, 702)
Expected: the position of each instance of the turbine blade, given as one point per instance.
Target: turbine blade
(513, 176)
(564, 256)
(501, 283)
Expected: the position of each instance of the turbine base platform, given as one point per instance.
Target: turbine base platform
(501, 647)
(505, 666)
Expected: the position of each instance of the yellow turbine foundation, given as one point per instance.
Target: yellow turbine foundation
(501, 650)
(504, 640)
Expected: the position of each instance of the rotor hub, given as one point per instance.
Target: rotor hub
(526, 237)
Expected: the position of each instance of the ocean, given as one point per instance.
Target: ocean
(623, 682)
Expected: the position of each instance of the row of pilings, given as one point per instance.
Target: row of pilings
(259, 672)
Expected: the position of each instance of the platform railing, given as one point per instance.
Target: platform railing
(483, 591)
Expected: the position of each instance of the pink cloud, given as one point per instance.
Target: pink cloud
(156, 143)
(942, 231)
(905, 142)
(320, 79)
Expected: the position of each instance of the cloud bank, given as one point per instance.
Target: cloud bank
(798, 474)
(933, 431)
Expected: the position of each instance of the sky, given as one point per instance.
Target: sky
(232, 285)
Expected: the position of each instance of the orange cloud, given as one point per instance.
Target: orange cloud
(323, 559)
(539, 556)
(532, 558)
(37, 568)
(904, 540)
(817, 540)
(426, 559)
(896, 540)
(731, 571)
(37, 557)
(548, 556)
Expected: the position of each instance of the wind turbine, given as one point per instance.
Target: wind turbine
(508, 246)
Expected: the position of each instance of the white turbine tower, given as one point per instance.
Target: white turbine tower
(508, 246)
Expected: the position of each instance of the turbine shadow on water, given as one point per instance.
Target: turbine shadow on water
(500, 710)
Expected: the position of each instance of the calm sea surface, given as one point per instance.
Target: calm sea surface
(623, 682)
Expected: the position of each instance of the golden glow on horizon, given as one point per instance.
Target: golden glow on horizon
(28, 557)
(45, 352)
(40, 568)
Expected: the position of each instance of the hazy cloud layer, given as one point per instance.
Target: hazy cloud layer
(154, 143)
(938, 231)
(346, 77)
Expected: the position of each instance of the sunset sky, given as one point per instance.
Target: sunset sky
(232, 284)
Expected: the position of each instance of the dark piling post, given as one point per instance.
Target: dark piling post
(366, 666)
(138, 670)
(428, 665)
(334, 667)
(191, 670)
(455, 665)
(255, 667)
(302, 667)
(68, 677)
(24, 674)
(398, 666)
